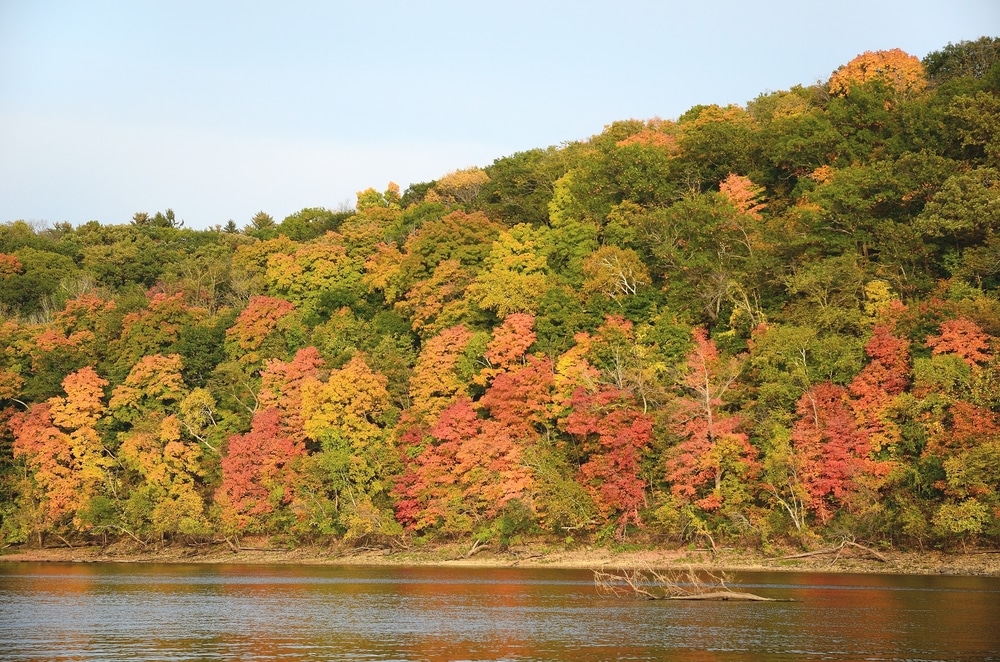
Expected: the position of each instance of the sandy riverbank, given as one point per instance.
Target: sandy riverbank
(985, 562)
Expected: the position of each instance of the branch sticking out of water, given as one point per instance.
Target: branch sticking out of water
(686, 584)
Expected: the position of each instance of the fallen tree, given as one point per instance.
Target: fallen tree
(838, 550)
(686, 584)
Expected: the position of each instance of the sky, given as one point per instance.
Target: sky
(219, 109)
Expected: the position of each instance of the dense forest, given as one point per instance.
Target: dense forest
(767, 324)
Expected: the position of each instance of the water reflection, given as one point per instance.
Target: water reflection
(179, 612)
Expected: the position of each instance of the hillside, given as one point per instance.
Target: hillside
(759, 325)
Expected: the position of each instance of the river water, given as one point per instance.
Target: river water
(77, 611)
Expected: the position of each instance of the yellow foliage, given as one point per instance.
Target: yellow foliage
(458, 187)
(899, 70)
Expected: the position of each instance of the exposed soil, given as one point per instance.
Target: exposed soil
(982, 562)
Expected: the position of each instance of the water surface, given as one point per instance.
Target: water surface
(240, 612)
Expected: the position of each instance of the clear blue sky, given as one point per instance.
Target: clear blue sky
(219, 109)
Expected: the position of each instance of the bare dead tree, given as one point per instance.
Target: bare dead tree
(686, 584)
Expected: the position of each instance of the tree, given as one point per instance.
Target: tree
(615, 273)
(961, 337)
(515, 275)
(972, 59)
(62, 447)
(713, 451)
(832, 450)
(900, 71)
(154, 330)
(743, 194)
(886, 376)
(965, 211)
(435, 383)
(165, 495)
(313, 272)
(459, 187)
(613, 434)
(349, 416)
(714, 142)
(259, 476)
(437, 302)
(256, 334)
(262, 474)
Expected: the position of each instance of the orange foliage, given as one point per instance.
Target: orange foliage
(874, 388)
(962, 337)
(59, 442)
(899, 70)
(657, 133)
(743, 194)
(254, 325)
(10, 265)
(511, 340)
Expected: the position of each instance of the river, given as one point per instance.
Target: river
(105, 611)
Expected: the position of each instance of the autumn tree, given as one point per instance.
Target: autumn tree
(460, 187)
(961, 337)
(166, 496)
(262, 472)
(614, 273)
(832, 451)
(257, 333)
(900, 71)
(713, 459)
(515, 274)
(349, 416)
(61, 445)
(316, 276)
(613, 434)
(886, 375)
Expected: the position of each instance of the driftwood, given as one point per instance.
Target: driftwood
(687, 584)
(838, 550)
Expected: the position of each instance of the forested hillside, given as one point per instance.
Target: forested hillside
(754, 324)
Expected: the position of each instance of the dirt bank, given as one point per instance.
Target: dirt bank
(986, 562)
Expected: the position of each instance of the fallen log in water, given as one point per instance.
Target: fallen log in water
(726, 595)
(687, 584)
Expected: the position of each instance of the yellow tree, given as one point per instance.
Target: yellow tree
(899, 70)
(459, 187)
(314, 270)
(165, 496)
(515, 276)
(614, 272)
(348, 416)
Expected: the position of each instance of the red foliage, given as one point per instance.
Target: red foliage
(10, 265)
(831, 449)
(885, 376)
(281, 387)
(258, 472)
(712, 442)
(473, 466)
(521, 398)
(614, 434)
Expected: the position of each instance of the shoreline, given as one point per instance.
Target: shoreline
(975, 563)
